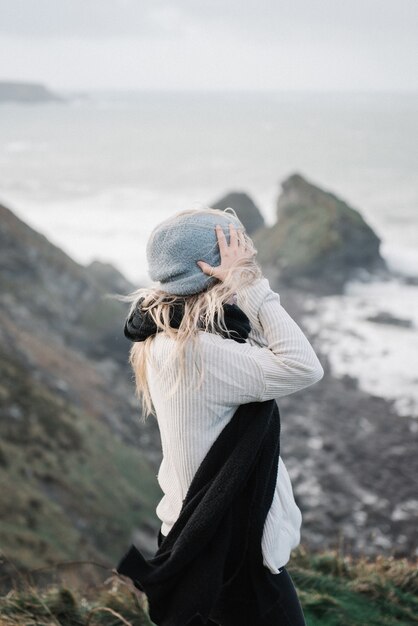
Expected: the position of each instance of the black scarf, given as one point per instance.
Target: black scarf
(139, 325)
(220, 526)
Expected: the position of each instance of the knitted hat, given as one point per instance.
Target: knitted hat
(177, 243)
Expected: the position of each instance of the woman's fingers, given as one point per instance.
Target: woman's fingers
(229, 253)
(233, 236)
(205, 267)
(241, 239)
(223, 244)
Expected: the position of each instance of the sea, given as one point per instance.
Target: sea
(97, 173)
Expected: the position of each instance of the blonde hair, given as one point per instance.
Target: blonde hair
(202, 311)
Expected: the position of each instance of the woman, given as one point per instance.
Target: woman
(194, 366)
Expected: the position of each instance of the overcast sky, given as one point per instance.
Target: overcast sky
(213, 44)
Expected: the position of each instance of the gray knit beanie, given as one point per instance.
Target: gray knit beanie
(177, 243)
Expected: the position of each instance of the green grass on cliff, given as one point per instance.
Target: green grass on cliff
(337, 591)
(69, 487)
(334, 591)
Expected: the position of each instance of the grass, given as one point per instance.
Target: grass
(344, 591)
(68, 485)
(333, 589)
(60, 606)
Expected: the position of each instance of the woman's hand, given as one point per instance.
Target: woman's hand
(230, 254)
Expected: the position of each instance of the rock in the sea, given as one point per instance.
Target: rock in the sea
(385, 317)
(26, 92)
(245, 208)
(317, 237)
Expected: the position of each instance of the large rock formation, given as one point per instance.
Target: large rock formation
(245, 208)
(27, 92)
(317, 238)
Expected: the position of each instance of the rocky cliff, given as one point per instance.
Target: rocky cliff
(46, 290)
(77, 471)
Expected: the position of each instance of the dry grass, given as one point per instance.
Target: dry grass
(335, 590)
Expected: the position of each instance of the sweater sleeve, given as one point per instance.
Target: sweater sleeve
(285, 365)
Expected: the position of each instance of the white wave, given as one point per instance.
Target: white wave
(382, 356)
(401, 259)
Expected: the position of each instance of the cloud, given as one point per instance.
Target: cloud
(90, 19)
(293, 44)
(268, 19)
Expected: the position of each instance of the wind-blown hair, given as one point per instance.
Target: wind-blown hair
(202, 311)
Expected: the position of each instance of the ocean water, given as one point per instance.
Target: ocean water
(97, 174)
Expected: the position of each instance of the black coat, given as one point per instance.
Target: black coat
(220, 525)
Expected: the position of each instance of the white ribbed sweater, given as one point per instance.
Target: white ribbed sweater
(276, 360)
